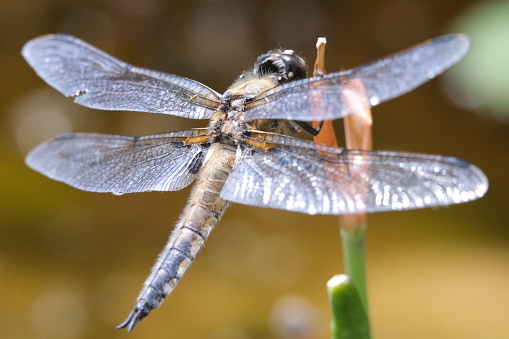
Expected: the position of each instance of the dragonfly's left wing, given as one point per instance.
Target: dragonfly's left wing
(327, 97)
(120, 164)
(305, 177)
(96, 79)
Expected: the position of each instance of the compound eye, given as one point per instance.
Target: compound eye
(267, 64)
(295, 67)
(285, 66)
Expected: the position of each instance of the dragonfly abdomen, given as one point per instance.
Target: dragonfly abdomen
(203, 210)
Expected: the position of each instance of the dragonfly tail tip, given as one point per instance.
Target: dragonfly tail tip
(133, 318)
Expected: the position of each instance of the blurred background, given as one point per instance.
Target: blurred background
(72, 262)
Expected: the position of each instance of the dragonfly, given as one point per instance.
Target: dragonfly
(248, 153)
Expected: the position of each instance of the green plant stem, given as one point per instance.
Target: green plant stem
(349, 318)
(353, 238)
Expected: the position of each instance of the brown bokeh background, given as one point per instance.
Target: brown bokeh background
(72, 262)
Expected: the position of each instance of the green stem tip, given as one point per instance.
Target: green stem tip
(349, 318)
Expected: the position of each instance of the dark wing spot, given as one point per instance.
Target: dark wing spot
(177, 143)
(197, 163)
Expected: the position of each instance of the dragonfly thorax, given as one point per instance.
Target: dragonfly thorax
(233, 128)
(228, 126)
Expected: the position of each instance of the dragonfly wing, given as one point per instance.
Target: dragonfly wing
(120, 164)
(328, 97)
(314, 179)
(98, 80)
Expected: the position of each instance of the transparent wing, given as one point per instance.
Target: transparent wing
(120, 164)
(98, 80)
(305, 177)
(326, 97)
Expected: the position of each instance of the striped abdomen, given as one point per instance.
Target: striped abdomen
(203, 210)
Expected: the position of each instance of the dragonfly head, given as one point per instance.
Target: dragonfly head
(284, 65)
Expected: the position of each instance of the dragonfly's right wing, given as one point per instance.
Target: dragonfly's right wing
(302, 176)
(326, 97)
(120, 164)
(98, 80)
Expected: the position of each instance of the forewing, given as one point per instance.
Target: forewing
(120, 164)
(327, 97)
(301, 176)
(98, 80)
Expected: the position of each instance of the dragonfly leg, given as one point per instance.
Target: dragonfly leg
(308, 128)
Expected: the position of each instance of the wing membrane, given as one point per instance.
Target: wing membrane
(98, 80)
(325, 98)
(304, 177)
(120, 164)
